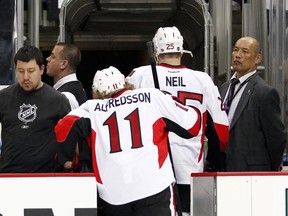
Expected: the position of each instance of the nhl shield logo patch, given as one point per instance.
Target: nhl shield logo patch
(27, 113)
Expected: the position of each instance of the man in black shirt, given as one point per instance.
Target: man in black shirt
(29, 110)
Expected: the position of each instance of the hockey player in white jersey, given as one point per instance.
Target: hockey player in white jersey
(193, 88)
(128, 130)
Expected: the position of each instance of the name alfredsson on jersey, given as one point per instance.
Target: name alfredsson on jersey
(129, 99)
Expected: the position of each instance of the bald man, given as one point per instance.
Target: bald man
(256, 132)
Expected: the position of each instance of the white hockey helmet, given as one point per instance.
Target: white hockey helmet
(108, 80)
(168, 40)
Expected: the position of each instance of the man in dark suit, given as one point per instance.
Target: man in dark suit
(62, 65)
(257, 135)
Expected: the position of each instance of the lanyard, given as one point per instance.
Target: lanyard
(241, 85)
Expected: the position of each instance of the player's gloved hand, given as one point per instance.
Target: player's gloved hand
(209, 167)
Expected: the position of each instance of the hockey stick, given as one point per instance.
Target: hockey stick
(150, 48)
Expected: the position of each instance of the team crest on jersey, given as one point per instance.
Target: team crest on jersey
(27, 113)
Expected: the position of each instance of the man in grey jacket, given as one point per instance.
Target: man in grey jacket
(257, 135)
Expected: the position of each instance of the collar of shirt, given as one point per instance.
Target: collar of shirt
(65, 79)
(243, 78)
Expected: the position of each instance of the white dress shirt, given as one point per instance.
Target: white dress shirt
(237, 97)
(72, 99)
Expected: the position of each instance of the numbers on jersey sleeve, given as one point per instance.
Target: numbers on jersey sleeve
(135, 131)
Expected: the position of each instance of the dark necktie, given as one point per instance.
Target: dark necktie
(230, 95)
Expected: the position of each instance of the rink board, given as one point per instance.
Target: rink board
(238, 194)
(48, 194)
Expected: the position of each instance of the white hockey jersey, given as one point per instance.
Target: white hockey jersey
(193, 88)
(129, 139)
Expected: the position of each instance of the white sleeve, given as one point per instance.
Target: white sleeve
(218, 114)
(141, 77)
(72, 100)
(186, 117)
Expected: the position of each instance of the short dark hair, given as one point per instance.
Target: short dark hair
(71, 53)
(28, 53)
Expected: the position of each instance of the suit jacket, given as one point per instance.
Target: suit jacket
(257, 135)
